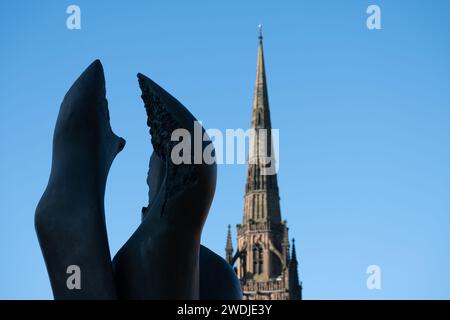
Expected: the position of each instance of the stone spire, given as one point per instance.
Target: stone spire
(263, 248)
(229, 247)
(261, 191)
(295, 291)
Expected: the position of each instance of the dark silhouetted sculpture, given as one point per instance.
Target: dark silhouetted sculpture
(163, 259)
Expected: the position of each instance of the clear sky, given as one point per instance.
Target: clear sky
(364, 119)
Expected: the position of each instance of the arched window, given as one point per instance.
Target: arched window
(243, 263)
(257, 259)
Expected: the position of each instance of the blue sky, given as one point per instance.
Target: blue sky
(364, 119)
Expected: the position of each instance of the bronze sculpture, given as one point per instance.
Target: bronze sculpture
(70, 220)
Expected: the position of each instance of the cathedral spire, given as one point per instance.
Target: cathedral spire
(263, 248)
(261, 190)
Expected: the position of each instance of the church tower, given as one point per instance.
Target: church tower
(263, 259)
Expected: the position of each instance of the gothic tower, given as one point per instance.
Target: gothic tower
(263, 261)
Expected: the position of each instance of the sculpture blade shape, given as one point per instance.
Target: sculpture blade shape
(69, 218)
(161, 259)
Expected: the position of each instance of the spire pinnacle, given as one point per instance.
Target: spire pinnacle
(229, 247)
(285, 235)
(294, 283)
(261, 114)
(229, 242)
(294, 255)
